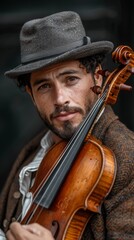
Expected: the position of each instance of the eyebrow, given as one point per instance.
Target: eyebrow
(68, 72)
(38, 81)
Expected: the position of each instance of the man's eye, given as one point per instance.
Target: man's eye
(72, 79)
(44, 86)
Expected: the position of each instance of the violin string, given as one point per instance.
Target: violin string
(57, 175)
(85, 122)
(78, 133)
(69, 146)
(94, 108)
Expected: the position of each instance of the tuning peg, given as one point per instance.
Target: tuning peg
(104, 73)
(125, 87)
(131, 69)
(96, 89)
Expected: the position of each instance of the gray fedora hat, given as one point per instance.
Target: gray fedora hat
(49, 40)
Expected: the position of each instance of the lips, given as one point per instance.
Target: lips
(64, 116)
(65, 113)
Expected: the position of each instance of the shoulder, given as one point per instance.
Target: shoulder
(111, 130)
(119, 138)
(116, 136)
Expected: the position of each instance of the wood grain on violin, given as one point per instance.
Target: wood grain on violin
(88, 182)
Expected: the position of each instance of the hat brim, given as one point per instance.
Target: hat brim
(101, 47)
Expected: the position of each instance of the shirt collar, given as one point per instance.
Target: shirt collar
(47, 140)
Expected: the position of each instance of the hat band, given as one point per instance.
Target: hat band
(54, 52)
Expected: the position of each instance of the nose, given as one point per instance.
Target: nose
(61, 96)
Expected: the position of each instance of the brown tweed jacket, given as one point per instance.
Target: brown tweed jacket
(117, 218)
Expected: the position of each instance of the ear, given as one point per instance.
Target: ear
(98, 78)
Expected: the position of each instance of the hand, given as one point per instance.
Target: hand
(32, 231)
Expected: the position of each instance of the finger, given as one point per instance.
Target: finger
(17, 232)
(39, 230)
(9, 235)
(32, 228)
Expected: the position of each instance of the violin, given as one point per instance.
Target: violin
(75, 177)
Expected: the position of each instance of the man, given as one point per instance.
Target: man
(59, 68)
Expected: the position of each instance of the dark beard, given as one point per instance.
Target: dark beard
(68, 129)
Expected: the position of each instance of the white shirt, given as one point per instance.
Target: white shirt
(25, 180)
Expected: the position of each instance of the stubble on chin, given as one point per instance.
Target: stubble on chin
(67, 128)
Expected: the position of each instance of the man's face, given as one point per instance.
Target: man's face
(63, 96)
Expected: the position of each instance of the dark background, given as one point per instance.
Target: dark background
(103, 20)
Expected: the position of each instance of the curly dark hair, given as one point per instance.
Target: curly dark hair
(90, 63)
(23, 80)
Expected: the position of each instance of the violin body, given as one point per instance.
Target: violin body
(84, 189)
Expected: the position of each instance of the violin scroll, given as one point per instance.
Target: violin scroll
(115, 80)
(123, 54)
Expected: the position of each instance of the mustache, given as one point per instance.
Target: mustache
(66, 109)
